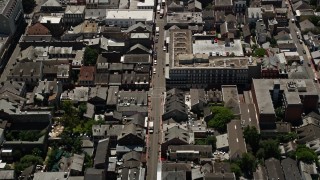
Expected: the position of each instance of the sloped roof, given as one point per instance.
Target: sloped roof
(51, 3)
(174, 5)
(274, 169)
(12, 87)
(283, 35)
(231, 18)
(132, 129)
(137, 119)
(301, 5)
(74, 9)
(195, 5)
(246, 30)
(87, 73)
(174, 27)
(237, 145)
(98, 91)
(306, 24)
(290, 169)
(132, 156)
(139, 25)
(176, 132)
(101, 152)
(38, 29)
(308, 133)
(139, 46)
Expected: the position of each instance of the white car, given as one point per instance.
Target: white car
(155, 62)
(154, 70)
(164, 48)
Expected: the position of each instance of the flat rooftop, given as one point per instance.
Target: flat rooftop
(218, 62)
(207, 47)
(51, 19)
(262, 88)
(185, 17)
(137, 14)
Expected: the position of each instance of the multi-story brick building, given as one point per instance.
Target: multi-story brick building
(191, 66)
(295, 96)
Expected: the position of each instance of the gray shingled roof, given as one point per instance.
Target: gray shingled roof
(290, 169)
(274, 169)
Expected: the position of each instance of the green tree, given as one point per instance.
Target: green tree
(248, 164)
(51, 158)
(222, 116)
(313, 2)
(253, 32)
(252, 137)
(100, 121)
(71, 143)
(314, 19)
(36, 152)
(254, 47)
(279, 113)
(9, 136)
(236, 170)
(90, 56)
(260, 52)
(7, 167)
(200, 141)
(70, 119)
(273, 42)
(27, 161)
(209, 7)
(88, 161)
(260, 154)
(287, 137)
(28, 5)
(29, 135)
(270, 148)
(212, 140)
(82, 109)
(306, 154)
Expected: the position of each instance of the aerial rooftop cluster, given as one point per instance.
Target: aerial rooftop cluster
(188, 90)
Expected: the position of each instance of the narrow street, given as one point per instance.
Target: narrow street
(294, 31)
(157, 100)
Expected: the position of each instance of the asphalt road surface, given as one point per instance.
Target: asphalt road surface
(157, 91)
(295, 31)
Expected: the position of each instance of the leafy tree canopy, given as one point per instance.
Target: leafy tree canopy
(236, 169)
(210, 140)
(248, 163)
(306, 154)
(259, 52)
(222, 116)
(252, 137)
(269, 148)
(314, 19)
(90, 56)
(27, 161)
